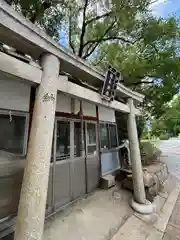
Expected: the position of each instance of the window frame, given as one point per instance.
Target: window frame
(72, 143)
(23, 114)
(113, 124)
(73, 129)
(60, 119)
(86, 136)
(108, 140)
(107, 124)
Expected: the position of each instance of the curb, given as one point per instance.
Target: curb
(167, 154)
(166, 210)
(141, 227)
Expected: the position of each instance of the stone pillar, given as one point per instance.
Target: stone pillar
(138, 184)
(32, 205)
(138, 202)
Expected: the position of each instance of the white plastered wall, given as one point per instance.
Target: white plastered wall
(14, 95)
(89, 109)
(106, 114)
(65, 102)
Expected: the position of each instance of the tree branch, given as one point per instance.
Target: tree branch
(143, 82)
(87, 54)
(155, 48)
(88, 49)
(70, 36)
(154, 2)
(99, 60)
(83, 30)
(103, 39)
(98, 17)
(92, 50)
(108, 39)
(140, 81)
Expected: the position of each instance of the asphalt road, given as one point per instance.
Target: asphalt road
(171, 148)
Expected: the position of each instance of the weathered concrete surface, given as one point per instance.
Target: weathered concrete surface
(173, 227)
(31, 211)
(171, 151)
(153, 227)
(166, 211)
(98, 217)
(159, 203)
(106, 215)
(107, 181)
(155, 235)
(134, 228)
(137, 174)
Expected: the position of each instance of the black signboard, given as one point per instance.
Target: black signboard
(110, 84)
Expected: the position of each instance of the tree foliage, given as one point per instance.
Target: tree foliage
(151, 65)
(92, 23)
(122, 33)
(33, 9)
(89, 23)
(168, 125)
(49, 14)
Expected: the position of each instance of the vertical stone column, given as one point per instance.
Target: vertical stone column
(82, 147)
(32, 205)
(138, 184)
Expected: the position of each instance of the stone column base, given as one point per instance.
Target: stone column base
(145, 209)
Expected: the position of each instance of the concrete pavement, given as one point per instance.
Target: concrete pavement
(171, 149)
(106, 215)
(155, 226)
(97, 217)
(172, 231)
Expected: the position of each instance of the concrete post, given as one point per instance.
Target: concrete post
(82, 147)
(138, 184)
(31, 214)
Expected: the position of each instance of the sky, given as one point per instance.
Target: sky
(164, 8)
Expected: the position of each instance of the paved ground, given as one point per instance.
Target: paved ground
(106, 215)
(171, 148)
(153, 227)
(172, 231)
(97, 217)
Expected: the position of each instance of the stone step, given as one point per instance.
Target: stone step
(107, 181)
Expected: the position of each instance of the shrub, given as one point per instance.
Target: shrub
(164, 136)
(149, 153)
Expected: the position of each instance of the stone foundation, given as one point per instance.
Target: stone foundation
(155, 178)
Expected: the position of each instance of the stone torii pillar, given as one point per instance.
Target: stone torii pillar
(139, 202)
(32, 205)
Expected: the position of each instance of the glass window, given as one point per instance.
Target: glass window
(12, 133)
(77, 139)
(91, 138)
(63, 140)
(104, 138)
(113, 135)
